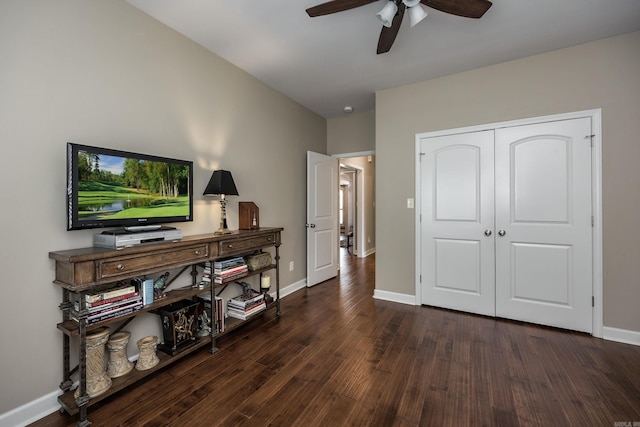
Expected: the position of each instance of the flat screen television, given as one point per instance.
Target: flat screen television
(113, 188)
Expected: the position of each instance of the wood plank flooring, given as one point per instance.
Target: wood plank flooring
(337, 357)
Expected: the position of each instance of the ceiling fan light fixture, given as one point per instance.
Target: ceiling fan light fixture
(411, 3)
(387, 13)
(416, 14)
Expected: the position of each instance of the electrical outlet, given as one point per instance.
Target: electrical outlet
(410, 203)
(291, 266)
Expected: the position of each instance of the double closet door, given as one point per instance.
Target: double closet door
(506, 223)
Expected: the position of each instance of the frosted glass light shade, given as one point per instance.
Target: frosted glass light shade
(387, 13)
(416, 14)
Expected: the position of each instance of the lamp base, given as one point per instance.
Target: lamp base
(221, 231)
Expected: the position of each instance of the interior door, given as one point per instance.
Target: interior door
(322, 217)
(543, 224)
(457, 222)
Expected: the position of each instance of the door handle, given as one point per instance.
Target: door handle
(310, 225)
(501, 233)
(487, 232)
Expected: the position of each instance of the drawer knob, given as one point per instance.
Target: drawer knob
(269, 238)
(120, 267)
(197, 252)
(230, 246)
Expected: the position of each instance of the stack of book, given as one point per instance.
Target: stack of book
(111, 303)
(218, 311)
(245, 305)
(206, 274)
(229, 268)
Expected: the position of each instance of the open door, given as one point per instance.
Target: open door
(322, 217)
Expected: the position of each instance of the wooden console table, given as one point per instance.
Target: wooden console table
(84, 270)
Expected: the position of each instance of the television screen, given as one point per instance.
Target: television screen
(112, 188)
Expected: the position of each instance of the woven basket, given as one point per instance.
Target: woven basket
(258, 260)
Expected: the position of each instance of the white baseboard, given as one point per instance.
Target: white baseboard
(31, 411)
(394, 297)
(621, 335)
(48, 404)
(369, 252)
(608, 333)
(288, 290)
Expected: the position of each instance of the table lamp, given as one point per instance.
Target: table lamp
(221, 184)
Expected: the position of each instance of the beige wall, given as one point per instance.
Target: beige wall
(351, 133)
(355, 133)
(604, 74)
(103, 73)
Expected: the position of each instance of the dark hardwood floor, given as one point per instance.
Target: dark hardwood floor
(338, 357)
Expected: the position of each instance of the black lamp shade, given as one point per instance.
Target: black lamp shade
(221, 182)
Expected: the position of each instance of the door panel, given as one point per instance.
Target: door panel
(543, 206)
(548, 285)
(322, 217)
(541, 172)
(450, 254)
(457, 208)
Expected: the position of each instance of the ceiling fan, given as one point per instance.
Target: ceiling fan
(393, 11)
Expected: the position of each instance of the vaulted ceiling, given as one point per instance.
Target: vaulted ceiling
(328, 62)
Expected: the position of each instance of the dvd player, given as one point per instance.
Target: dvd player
(121, 238)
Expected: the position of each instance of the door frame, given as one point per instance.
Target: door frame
(596, 196)
(360, 219)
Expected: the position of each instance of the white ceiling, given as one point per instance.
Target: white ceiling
(328, 62)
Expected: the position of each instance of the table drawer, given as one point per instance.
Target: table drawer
(127, 265)
(228, 247)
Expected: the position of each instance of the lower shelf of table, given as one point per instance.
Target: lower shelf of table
(67, 400)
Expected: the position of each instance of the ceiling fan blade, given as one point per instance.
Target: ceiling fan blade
(388, 34)
(466, 8)
(335, 6)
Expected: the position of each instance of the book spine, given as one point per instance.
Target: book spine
(115, 310)
(147, 292)
(245, 305)
(112, 300)
(110, 306)
(231, 262)
(219, 280)
(92, 298)
(253, 310)
(114, 314)
(219, 307)
(231, 270)
(242, 299)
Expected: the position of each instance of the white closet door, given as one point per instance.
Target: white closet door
(543, 224)
(457, 209)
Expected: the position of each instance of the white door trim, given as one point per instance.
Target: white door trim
(360, 218)
(596, 193)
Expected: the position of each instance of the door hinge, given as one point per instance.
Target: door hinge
(421, 278)
(590, 137)
(593, 221)
(593, 301)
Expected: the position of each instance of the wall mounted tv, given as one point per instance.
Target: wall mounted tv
(112, 188)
